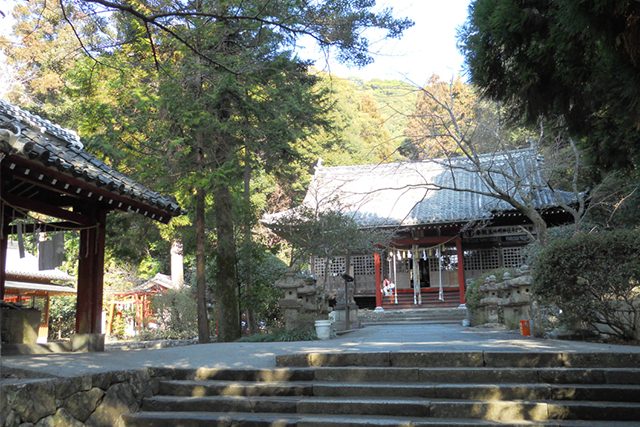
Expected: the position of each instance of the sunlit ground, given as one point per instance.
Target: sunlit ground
(395, 338)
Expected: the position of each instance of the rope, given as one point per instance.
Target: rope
(45, 225)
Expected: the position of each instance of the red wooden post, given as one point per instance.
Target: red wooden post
(460, 252)
(378, 271)
(90, 277)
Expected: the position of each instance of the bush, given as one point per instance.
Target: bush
(593, 279)
(299, 334)
(175, 314)
(62, 317)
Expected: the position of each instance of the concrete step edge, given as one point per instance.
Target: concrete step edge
(395, 400)
(461, 358)
(156, 419)
(269, 419)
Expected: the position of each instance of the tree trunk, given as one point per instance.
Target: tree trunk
(248, 240)
(201, 281)
(226, 288)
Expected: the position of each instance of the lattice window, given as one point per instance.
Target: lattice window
(337, 265)
(363, 265)
(490, 259)
(318, 266)
(472, 260)
(512, 257)
(433, 263)
(450, 262)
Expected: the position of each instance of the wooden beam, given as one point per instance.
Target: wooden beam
(422, 240)
(91, 275)
(51, 226)
(46, 209)
(75, 183)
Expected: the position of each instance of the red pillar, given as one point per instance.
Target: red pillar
(90, 277)
(460, 253)
(378, 270)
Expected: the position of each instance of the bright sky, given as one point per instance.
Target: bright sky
(429, 47)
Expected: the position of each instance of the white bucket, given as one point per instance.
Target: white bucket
(323, 329)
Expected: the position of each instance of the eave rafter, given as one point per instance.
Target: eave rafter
(40, 177)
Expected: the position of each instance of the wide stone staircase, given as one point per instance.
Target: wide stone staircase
(403, 389)
(413, 316)
(430, 299)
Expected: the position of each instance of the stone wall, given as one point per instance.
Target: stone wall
(96, 400)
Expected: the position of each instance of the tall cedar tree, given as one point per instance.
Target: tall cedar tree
(228, 83)
(579, 60)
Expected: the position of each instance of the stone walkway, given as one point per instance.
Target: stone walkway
(409, 338)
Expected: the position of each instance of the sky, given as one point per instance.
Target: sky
(429, 47)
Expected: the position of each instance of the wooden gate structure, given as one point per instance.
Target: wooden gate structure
(44, 169)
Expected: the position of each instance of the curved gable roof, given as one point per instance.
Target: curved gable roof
(435, 191)
(36, 139)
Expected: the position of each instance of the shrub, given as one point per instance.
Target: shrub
(62, 317)
(175, 314)
(593, 278)
(298, 334)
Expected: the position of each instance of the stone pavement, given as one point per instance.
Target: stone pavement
(397, 338)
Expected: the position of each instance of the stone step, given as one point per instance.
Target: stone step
(413, 375)
(499, 410)
(234, 388)
(243, 374)
(482, 375)
(201, 419)
(454, 314)
(488, 392)
(410, 322)
(498, 359)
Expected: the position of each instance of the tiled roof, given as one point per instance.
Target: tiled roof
(58, 148)
(415, 193)
(159, 283)
(26, 288)
(26, 268)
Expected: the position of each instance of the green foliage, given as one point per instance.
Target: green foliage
(259, 270)
(211, 102)
(62, 317)
(576, 60)
(326, 234)
(300, 334)
(175, 315)
(593, 278)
